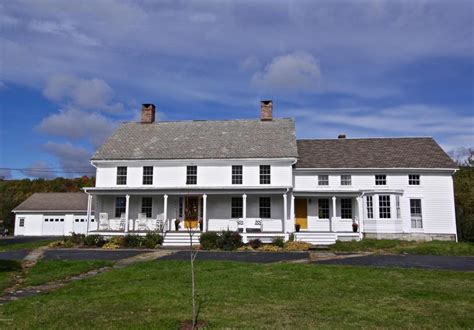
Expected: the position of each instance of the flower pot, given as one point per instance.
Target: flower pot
(297, 227)
(355, 227)
(176, 225)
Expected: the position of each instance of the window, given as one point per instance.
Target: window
(264, 174)
(147, 174)
(119, 206)
(121, 175)
(414, 179)
(346, 208)
(236, 174)
(22, 222)
(384, 206)
(323, 208)
(380, 180)
(237, 209)
(323, 180)
(265, 207)
(370, 207)
(191, 174)
(346, 180)
(147, 205)
(415, 211)
(397, 206)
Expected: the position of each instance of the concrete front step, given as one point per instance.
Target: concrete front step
(180, 239)
(316, 238)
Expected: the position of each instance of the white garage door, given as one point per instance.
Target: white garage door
(80, 224)
(53, 225)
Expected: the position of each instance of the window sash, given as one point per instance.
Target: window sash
(237, 174)
(191, 174)
(265, 207)
(147, 174)
(414, 179)
(323, 180)
(380, 179)
(397, 205)
(237, 208)
(22, 222)
(384, 207)
(370, 207)
(346, 208)
(147, 206)
(119, 206)
(323, 208)
(121, 175)
(416, 214)
(346, 180)
(265, 174)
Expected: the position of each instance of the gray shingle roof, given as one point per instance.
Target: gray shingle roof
(372, 153)
(201, 140)
(55, 202)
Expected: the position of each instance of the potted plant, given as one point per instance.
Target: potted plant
(355, 226)
(297, 227)
(176, 224)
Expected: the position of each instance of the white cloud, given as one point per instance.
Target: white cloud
(72, 159)
(5, 174)
(292, 72)
(66, 30)
(75, 125)
(39, 169)
(90, 94)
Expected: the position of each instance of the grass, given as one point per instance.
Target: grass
(5, 245)
(52, 270)
(157, 295)
(410, 247)
(8, 269)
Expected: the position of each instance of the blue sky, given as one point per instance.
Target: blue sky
(71, 71)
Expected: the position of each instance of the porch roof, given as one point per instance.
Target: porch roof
(185, 191)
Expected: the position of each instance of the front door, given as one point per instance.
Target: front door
(301, 212)
(191, 212)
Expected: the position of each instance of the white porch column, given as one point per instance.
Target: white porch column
(165, 211)
(333, 219)
(285, 215)
(127, 204)
(292, 212)
(360, 214)
(89, 209)
(204, 213)
(244, 212)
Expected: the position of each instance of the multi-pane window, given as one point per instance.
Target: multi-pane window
(323, 180)
(397, 206)
(22, 222)
(370, 207)
(323, 208)
(147, 205)
(237, 208)
(415, 211)
(121, 175)
(380, 179)
(264, 174)
(265, 207)
(414, 179)
(236, 174)
(384, 207)
(147, 174)
(346, 208)
(191, 174)
(119, 206)
(346, 180)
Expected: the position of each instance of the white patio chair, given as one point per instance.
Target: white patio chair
(142, 221)
(104, 221)
(123, 221)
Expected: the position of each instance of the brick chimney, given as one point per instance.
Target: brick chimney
(148, 113)
(266, 109)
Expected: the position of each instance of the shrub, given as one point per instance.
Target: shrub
(110, 246)
(270, 248)
(245, 248)
(76, 239)
(229, 240)
(255, 243)
(278, 241)
(291, 238)
(152, 240)
(297, 246)
(208, 240)
(94, 241)
(117, 240)
(133, 241)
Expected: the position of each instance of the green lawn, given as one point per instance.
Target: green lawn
(157, 295)
(5, 245)
(410, 247)
(8, 269)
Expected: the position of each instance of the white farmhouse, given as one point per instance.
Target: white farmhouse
(254, 176)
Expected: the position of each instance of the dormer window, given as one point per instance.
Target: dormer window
(121, 175)
(191, 174)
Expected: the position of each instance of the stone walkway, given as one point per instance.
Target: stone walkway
(16, 292)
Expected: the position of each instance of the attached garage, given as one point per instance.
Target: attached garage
(53, 214)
